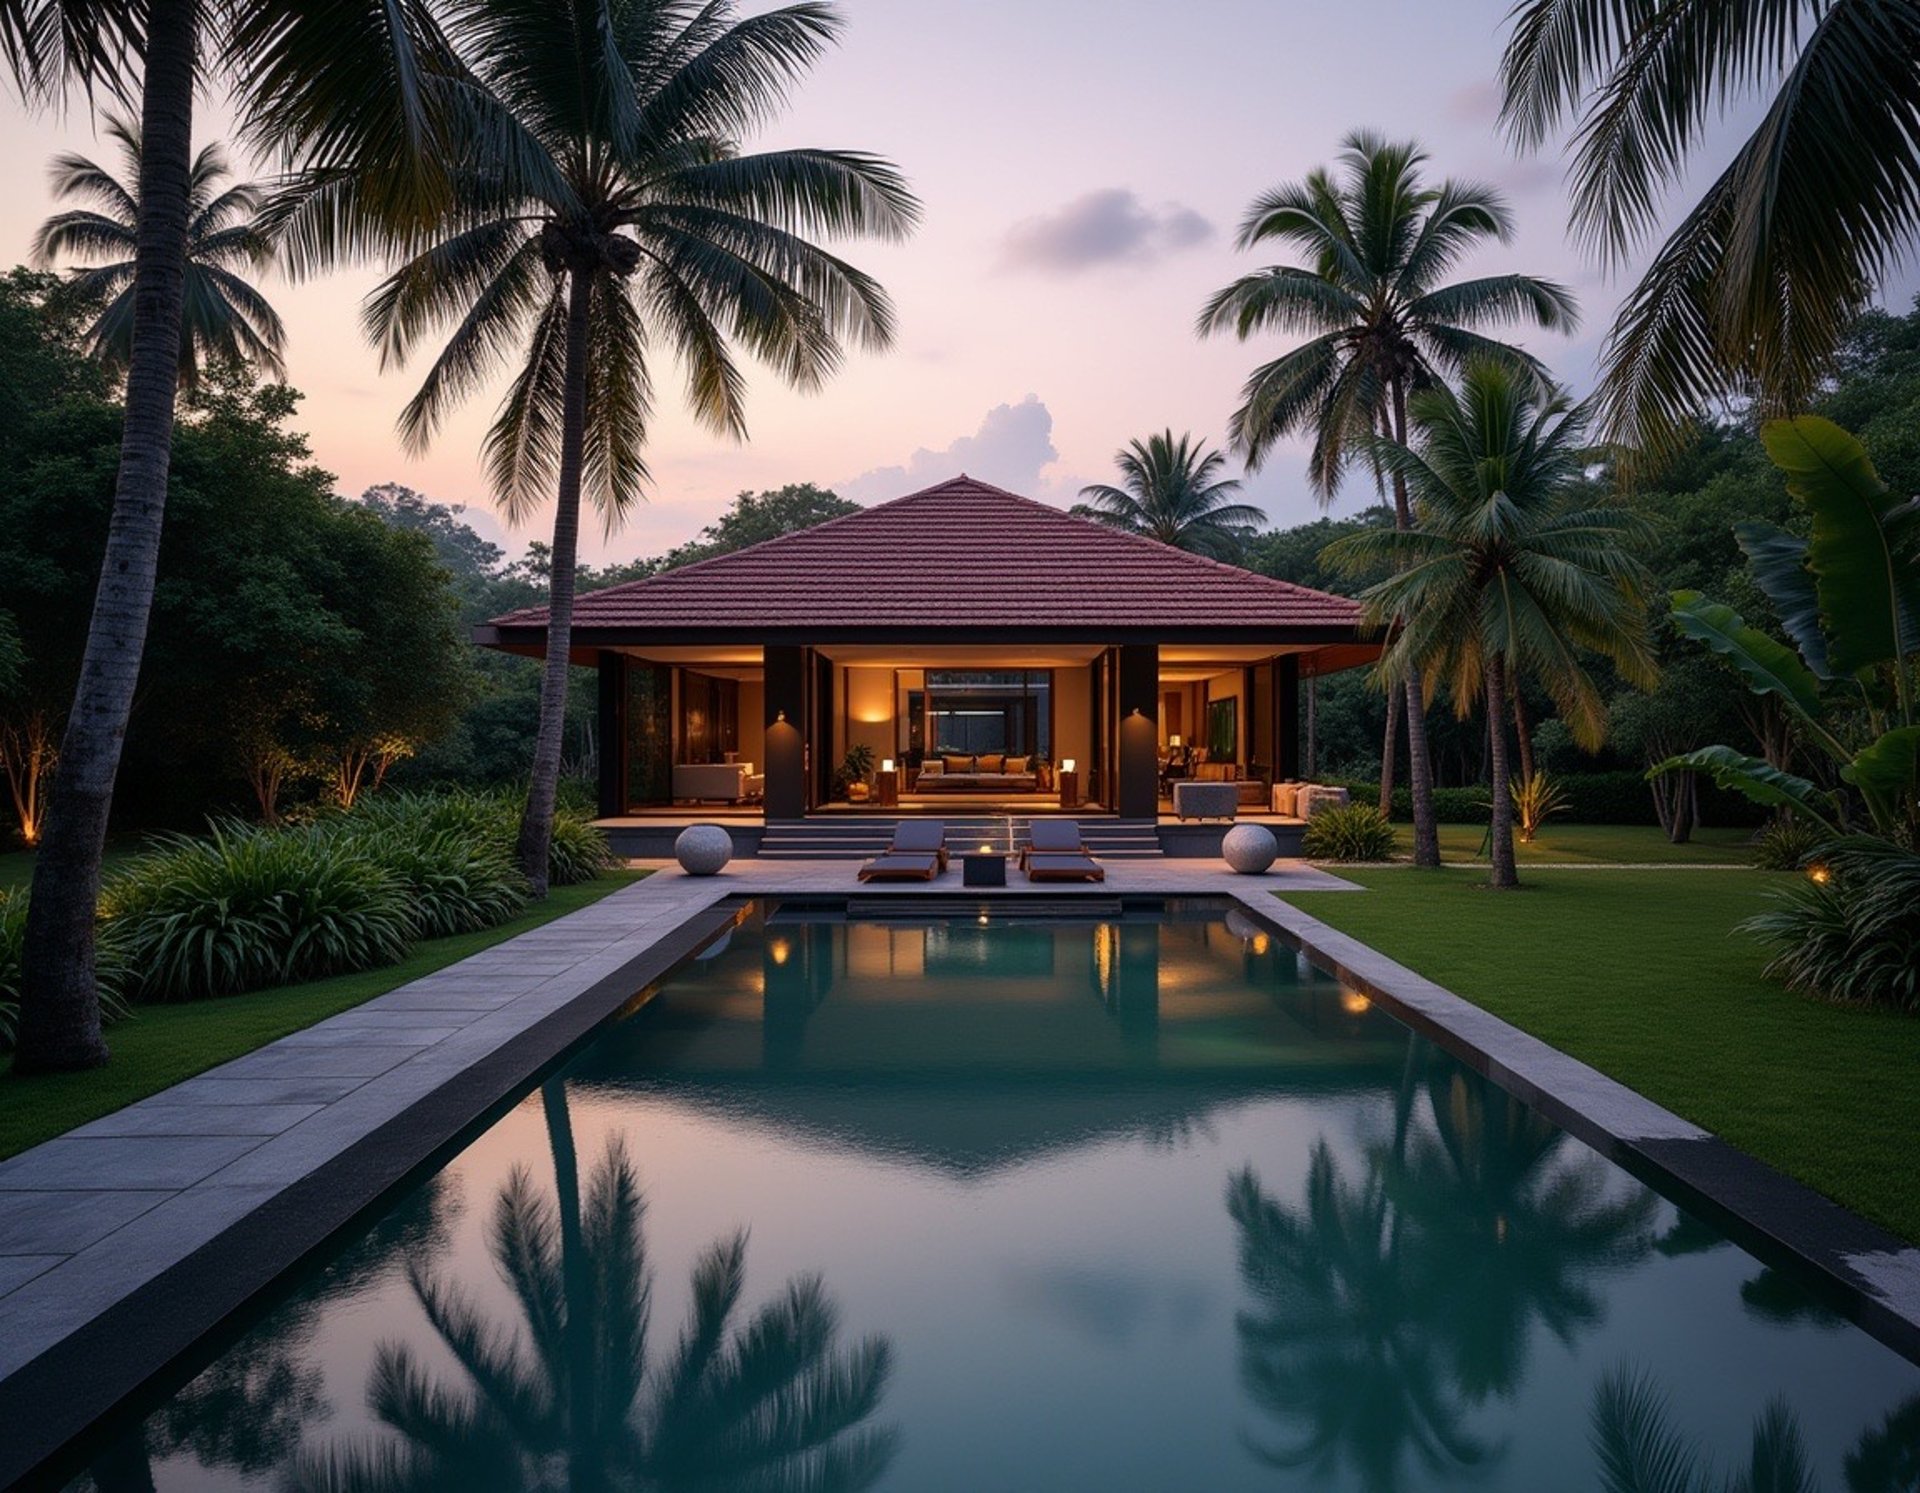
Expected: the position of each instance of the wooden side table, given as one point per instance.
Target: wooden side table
(1069, 788)
(886, 789)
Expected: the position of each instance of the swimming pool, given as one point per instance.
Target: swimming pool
(1135, 1201)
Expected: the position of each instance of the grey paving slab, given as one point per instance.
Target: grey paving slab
(216, 1088)
(155, 1117)
(357, 1060)
(17, 1270)
(108, 1163)
(328, 1035)
(65, 1223)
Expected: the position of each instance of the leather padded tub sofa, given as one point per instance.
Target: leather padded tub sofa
(989, 771)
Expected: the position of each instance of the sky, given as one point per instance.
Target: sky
(1083, 166)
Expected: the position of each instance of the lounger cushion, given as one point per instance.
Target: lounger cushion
(901, 866)
(1058, 835)
(1050, 867)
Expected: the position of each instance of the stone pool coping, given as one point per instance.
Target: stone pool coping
(128, 1240)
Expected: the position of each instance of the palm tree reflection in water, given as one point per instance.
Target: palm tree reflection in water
(1386, 1309)
(568, 1400)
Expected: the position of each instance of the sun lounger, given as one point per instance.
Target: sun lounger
(918, 853)
(1052, 837)
(1046, 866)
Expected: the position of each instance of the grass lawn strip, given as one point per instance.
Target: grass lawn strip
(1596, 844)
(160, 1046)
(1640, 974)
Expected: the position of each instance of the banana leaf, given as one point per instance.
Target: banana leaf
(1865, 543)
(1778, 561)
(1754, 777)
(1891, 766)
(1769, 666)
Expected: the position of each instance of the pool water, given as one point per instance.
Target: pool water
(1144, 1203)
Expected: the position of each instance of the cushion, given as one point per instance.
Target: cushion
(1017, 765)
(989, 762)
(932, 767)
(958, 764)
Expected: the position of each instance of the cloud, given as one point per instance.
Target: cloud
(1109, 226)
(1010, 449)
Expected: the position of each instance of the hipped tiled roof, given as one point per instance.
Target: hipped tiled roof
(963, 553)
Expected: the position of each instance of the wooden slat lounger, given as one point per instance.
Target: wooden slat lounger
(918, 853)
(1052, 837)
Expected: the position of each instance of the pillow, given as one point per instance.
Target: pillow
(990, 762)
(931, 768)
(1017, 766)
(958, 764)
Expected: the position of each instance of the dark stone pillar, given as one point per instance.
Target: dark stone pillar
(1137, 687)
(613, 733)
(786, 743)
(1286, 729)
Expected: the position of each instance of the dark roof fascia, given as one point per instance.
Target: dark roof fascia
(518, 638)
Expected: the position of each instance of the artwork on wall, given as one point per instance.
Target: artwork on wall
(1223, 730)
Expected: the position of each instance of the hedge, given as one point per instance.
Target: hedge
(1590, 798)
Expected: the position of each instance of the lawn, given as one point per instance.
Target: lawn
(1641, 974)
(1597, 844)
(16, 866)
(160, 1045)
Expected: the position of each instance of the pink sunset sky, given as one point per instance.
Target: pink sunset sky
(1083, 165)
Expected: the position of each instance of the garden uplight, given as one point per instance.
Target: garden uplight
(1819, 874)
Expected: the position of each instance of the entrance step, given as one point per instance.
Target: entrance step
(842, 837)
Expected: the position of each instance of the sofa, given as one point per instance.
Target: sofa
(1304, 800)
(723, 782)
(1199, 800)
(994, 772)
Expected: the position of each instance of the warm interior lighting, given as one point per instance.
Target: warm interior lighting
(1261, 943)
(1353, 1002)
(982, 920)
(780, 949)
(1067, 764)
(780, 719)
(1176, 740)
(886, 764)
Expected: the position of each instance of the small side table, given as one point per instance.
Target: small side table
(886, 789)
(983, 868)
(1069, 788)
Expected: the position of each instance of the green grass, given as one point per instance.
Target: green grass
(1641, 974)
(16, 866)
(160, 1045)
(1597, 844)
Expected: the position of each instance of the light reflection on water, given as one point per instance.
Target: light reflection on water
(1135, 1205)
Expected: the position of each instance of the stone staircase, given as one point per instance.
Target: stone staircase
(858, 837)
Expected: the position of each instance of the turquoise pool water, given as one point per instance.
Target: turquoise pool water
(1138, 1204)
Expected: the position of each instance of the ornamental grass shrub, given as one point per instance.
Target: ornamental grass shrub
(578, 852)
(1352, 832)
(243, 908)
(1788, 844)
(454, 882)
(1850, 932)
(109, 963)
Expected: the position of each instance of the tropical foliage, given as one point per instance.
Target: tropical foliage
(1752, 291)
(1349, 832)
(110, 952)
(1171, 490)
(1640, 1451)
(1381, 321)
(223, 317)
(1515, 567)
(601, 212)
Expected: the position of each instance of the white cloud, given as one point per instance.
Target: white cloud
(1108, 226)
(1011, 449)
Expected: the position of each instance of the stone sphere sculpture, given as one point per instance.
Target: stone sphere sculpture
(703, 849)
(1250, 848)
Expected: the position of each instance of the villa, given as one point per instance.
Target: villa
(994, 655)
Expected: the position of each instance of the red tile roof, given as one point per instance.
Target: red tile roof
(962, 554)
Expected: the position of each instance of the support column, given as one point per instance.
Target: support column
(1137, 688)
(1286, 726)
(786, 707)
(612, 725)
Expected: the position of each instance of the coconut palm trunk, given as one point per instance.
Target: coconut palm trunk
(59, 1000)
(1426, 827)
(1504, 872)
(536, 823)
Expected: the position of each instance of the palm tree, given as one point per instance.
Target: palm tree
(223, 317)
(322, 79)
(602, 211)
(1171, 491)
(772, 1403)
(1639, 1451)
(1381, 322)
(1511, 566)
(1751, 291)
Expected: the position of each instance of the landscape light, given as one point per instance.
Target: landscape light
(1353, 1002)
(1819, 874)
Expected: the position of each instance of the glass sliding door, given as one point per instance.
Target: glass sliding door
(967, 712)
(649, 733)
